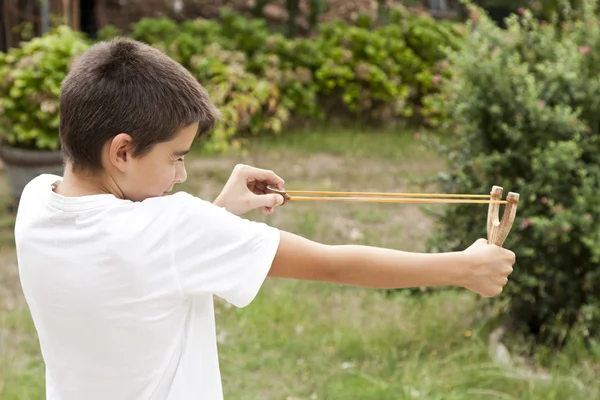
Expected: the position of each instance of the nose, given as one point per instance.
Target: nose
(181, 173)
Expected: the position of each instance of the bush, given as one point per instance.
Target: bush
(259, 78)
(377, 73)
(30, 79)
(247, 103)
(227, 56)
(524, 108)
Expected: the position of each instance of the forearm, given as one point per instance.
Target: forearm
(365, 266)
(384, 268)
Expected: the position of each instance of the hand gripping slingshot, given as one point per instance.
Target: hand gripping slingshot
(497, 229)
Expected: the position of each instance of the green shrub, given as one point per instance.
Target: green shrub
(429, 39)
(524, 108)
(248, 103)
(30, 79)
(370, 71)
(378, 72)
(290, 64)
(258, 77)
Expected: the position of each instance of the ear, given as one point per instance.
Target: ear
(119, 151)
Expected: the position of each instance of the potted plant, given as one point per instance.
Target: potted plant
(30, 80)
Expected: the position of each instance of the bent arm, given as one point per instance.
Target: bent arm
(355, 265)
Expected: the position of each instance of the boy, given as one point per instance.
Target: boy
(119, 275)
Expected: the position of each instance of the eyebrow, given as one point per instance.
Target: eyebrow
(181, 153)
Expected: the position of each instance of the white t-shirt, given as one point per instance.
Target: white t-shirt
(121, 292)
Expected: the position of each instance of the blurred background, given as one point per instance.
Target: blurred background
(433, 96)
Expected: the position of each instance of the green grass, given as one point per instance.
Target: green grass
(359, 142)
(389, 143)
(302, 340)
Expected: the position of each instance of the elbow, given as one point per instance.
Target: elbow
(300, 258)
(329, 265)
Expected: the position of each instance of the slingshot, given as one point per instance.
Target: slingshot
(497, 230)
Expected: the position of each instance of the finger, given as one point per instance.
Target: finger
(267, 210)
(263, 175)
(258, 187)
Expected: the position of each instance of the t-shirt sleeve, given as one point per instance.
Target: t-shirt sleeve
(216, 252)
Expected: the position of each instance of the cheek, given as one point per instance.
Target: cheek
(166, 173)
(157, 174)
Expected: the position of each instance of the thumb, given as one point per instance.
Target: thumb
(478, 243)
(266, 200)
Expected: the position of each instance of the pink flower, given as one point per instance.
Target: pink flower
(544, 200)
(521, 10)
(526, 223)
(541, 103)
(584, 49)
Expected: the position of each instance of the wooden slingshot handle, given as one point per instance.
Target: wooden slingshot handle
(497, 230)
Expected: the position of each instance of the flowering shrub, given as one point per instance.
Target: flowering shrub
(524, 109)
(30, 79)
(258, 78)
(373, 72)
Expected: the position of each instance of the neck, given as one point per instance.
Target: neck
(76, 184)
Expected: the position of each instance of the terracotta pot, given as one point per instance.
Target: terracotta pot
(21, 166)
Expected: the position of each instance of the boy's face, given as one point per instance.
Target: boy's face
(155, 173)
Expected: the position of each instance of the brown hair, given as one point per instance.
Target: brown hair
(125, 86)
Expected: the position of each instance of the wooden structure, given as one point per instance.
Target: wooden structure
(34, 17)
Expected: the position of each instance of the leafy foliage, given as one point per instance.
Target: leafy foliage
(260, 79)
(375, 72)
(247, 102)
(30, 79)
(523, 105)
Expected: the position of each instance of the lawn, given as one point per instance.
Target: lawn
(302, 340)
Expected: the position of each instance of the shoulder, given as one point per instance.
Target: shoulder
(185, 215)
(190, 212)
(217, 252)
(34, 194)
(179, 207)
(41, 183)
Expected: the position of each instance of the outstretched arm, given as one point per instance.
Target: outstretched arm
(481, 268)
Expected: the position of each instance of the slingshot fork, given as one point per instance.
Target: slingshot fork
(497, 230)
